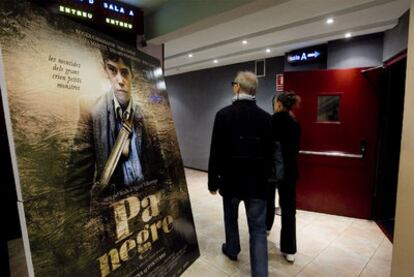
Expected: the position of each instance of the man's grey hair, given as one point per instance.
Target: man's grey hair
(248, 82)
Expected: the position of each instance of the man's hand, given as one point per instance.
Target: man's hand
(213, 192)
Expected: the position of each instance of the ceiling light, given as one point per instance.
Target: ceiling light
(190, 55)
(161, 85)
(215, 61)
(157, 72)
(348, 35)
(330, 20)
(267, 50)
(244, 42)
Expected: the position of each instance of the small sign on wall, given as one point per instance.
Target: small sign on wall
(315, 54)
(279, 82)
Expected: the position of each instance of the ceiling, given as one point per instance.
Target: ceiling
(277, 25)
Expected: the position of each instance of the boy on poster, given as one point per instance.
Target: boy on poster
(113, 150)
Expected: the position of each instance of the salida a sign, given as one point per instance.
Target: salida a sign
(315, 54)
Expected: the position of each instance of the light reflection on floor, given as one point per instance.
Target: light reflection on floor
(327, 245)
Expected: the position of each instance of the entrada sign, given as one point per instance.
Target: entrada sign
(308, 55)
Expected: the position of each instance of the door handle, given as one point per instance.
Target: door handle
(336, 154)
(363, 145)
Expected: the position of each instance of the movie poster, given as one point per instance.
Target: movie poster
(98, 172)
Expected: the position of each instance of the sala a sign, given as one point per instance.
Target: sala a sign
(316, 54)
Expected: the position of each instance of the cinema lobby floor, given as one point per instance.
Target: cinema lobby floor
(328, 245)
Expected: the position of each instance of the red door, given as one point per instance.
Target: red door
(338, 115)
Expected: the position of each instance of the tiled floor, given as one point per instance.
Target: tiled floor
(327, 245)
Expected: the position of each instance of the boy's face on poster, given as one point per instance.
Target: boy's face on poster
(119, 74)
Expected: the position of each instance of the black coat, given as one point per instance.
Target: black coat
(240, 157)
(287, 131)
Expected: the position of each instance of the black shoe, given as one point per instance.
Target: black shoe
(231, 257)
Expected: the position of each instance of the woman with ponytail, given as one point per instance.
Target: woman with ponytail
(286, 133)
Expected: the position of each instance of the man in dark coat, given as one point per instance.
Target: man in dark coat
(239, 168)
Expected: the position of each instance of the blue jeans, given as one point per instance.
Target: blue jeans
(256, 219)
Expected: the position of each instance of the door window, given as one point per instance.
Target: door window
(328, 108)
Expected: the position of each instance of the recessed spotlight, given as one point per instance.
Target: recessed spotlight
(348, 35)
(157, 72)
(215, 61)
(244, 42)
(330, 20)
(267, 50)
(190, 55)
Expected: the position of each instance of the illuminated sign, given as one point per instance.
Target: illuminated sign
(86, 1)
(75, 12)
(119, 23)
(117, 8)
(108, 15)
(308, 55)
(279, 82)
(304, 56)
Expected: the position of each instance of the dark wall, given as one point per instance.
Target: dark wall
(11, 230)
(196, 97)
(304, 67)
(8, 188)
(267, 84)
(396, 39)
(362, 51)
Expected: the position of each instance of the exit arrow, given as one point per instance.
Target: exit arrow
(314, 54)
